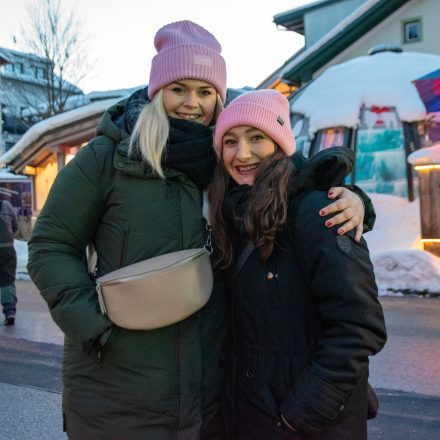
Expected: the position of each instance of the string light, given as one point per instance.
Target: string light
(427, 167)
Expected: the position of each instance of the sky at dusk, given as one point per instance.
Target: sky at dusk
(120, 35)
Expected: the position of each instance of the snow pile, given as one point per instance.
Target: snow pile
(400, 263)
(407, 271)
(384, 79)
(21, 250)
(397, 224)
(425, 156)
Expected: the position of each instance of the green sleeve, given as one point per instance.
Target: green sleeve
(57, 263)
(370, 213)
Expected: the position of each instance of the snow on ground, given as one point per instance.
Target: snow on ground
(21, 250)
(400, 264)
(384, 79)
(397, 224)
(407, 271)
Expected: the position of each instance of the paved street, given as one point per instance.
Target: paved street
(405, 374)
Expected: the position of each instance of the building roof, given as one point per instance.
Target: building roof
(301, 66)
(72, 126)
(293, 19)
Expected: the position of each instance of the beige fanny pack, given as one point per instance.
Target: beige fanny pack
(157, 292)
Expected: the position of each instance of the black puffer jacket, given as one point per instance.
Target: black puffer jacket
(304, 324)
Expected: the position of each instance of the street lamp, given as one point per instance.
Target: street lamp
(3, 60)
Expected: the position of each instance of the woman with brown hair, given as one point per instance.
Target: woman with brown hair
(305, 315)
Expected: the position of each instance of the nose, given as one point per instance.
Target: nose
(243, 150)
(191, 100)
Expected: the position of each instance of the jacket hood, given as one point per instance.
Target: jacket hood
(323, 170)
(111, 124)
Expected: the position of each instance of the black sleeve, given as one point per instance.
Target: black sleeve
(340, 275)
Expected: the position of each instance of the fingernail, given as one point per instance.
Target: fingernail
(330, 193)
(328, 223)
(322, 212)
(340, 231)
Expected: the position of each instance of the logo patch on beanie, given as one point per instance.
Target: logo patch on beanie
(202, 60)
(280, 120)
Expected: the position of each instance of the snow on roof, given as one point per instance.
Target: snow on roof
(7, 176)
(425, 156)
(96, 95)
(330, 35)
(40, 128)
(383, 79)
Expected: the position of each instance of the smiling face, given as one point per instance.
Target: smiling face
(244, 148)
(190, 99)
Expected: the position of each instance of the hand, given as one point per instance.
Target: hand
(350, 208)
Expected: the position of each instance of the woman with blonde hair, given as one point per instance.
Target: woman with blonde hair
(135, 192)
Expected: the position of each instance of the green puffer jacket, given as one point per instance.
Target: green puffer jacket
(159, 384)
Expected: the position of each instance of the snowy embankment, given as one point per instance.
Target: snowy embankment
(400, 264)
(22, 258)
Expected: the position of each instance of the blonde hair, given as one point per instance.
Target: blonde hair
(152, 129)
(150, 133)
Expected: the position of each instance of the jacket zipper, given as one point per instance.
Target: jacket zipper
(124, 244)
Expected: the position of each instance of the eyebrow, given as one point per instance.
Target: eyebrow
(249, 130)
(185, 85)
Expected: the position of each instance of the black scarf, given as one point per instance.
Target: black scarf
(235, 204)
(190, 150)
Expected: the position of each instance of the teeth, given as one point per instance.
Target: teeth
(183, 116)
(248, 168)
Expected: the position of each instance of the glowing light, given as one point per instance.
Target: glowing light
(29, 170)
(430, 240)
(427, 167)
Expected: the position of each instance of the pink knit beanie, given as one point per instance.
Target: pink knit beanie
(185, 50)
(267, 110)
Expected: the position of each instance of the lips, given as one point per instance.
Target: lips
(247, 169)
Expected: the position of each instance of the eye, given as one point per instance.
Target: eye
(206, 92)
(178, 90)
(257, 137)
(228, 141)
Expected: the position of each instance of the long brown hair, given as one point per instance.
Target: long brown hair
(266, 212)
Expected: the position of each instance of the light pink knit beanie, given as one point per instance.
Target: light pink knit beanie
(267, 110)
(185, 50)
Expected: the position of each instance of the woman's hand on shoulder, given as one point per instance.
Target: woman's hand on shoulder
(349, 208)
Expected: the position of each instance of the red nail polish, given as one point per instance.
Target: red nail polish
(340, 231)
(322, 212)
(330, 193)
(328, 223)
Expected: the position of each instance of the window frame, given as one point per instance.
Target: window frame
(405, 35)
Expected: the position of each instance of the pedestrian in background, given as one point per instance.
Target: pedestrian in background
(136, 192)
(305, 314)
(8, 261)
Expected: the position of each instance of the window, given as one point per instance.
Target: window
(19, 67)
(412, 31)
(39, 72)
